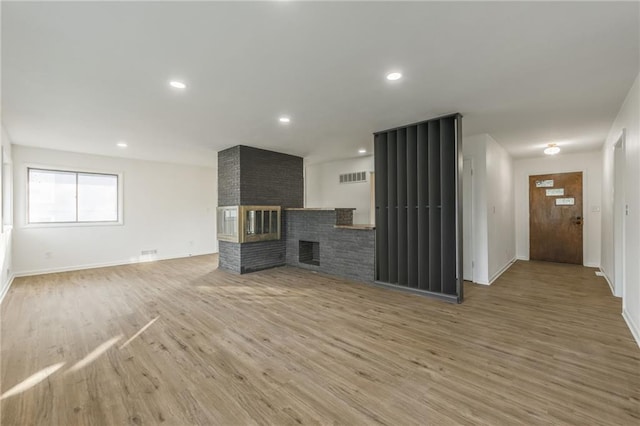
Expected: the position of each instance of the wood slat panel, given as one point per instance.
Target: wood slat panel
(422, 243)
(435, 208)
(423, 207)
(412, 206)
(382, 245)
(403, 273)
(392, 204)
(448, 171)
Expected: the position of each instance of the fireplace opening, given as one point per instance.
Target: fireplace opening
(309, 252)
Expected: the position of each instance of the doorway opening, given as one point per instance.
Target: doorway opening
(467, 220)
(619, 212)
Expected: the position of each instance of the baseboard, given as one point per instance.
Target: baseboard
(105, 264)
(634, 330)
(5, 290)
(502, 271)
(606, 277)
(591, 265)
(522, 258)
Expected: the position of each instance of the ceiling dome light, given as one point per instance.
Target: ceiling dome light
(393, 76)
(122, 144)
(177, 84)
(551, 149)
(362, 151)
(284, 119)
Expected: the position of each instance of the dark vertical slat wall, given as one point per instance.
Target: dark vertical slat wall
(418, 207)
(412, 204)
(448, 212)
(392, 202)
(423, 208)
(401, 142)
(382, 237)
(435, 253)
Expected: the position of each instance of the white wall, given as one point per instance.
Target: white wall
(493, 230)
(628, 118)
(6, 274)
(323, 188)
(590, 164)
(167, 207)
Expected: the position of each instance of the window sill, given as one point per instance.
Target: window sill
(71, 224)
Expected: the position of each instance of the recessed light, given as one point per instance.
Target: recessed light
(177, 84)
(393, 76)
(362, 151)
(552, 149)
(121, 145)
(284, 120)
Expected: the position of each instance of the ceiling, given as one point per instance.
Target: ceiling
(81, 76)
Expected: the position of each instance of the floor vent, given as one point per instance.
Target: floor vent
(353, 177)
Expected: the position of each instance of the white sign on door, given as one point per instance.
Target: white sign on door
(544, 183)
(565, 201)
(555, 192)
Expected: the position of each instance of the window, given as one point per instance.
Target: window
(60, 196)
(246, 224)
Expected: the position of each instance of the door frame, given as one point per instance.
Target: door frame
(585, 204)
(619, 216)
(469, 210)
(372, 198)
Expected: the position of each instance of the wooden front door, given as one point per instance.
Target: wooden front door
(556, 218)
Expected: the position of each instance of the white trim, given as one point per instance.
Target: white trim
(70, 224)
(502, 271)
(474, 225)
(139, 259)
(606, 277)
(619, 218)
(525, 258)
(6, 288)
(622, 137)
(591, 265)
(635, 332)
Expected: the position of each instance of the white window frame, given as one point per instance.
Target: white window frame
(119, 175)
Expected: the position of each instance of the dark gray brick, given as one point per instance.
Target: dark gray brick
(348, 253)
(229, 177)
(251, 176)
(270, 178)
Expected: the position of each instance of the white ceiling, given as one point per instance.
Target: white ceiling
(81, 76)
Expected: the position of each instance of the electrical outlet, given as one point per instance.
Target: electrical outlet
(147, 252)
(47, 255)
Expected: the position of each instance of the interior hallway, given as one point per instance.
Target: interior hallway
(544, 343)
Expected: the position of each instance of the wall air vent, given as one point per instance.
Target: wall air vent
(355, 177)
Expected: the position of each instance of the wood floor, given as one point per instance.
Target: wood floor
(545, 344)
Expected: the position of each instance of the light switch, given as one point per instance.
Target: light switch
(595, 209)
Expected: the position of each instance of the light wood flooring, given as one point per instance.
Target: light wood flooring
(545, 344)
